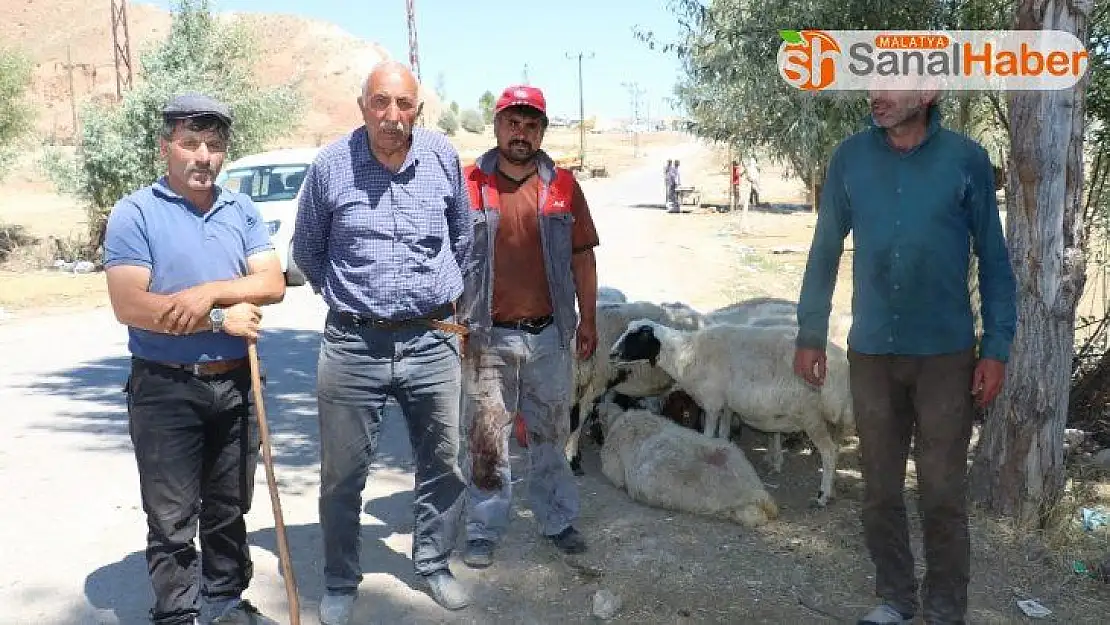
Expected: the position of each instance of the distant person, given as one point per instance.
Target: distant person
(188, 264)
(751, 174)
(917, 199)
(734, 183)
(673, 182)
(531, 304)
(667, 182)
(383, 232)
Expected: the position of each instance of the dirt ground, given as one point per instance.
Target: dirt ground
(810, 565)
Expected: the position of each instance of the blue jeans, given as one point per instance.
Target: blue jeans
(530, 374)
(360, 367)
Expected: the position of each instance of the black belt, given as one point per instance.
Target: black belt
(438, 314)
(533, 325)
(215, 367)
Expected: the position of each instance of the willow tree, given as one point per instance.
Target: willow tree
(730, 83)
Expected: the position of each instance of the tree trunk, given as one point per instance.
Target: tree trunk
(963, 113)
(1019, 465)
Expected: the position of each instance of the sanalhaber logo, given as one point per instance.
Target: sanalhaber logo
(961, 60)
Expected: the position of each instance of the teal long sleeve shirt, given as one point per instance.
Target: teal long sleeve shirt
(914, 218)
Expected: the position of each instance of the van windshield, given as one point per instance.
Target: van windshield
(267, 183)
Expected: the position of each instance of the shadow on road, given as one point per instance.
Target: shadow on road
(113, 590)
(288, 361)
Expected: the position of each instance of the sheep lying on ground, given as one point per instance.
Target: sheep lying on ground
(748, 371)
(662, 464)
(594, 376)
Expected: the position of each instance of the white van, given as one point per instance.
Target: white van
(273, 181)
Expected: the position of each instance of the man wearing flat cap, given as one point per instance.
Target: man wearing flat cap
(532, 266)
(188, 265)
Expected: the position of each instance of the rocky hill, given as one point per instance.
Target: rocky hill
(331, 62)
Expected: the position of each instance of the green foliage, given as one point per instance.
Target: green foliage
(485, 105)
(1096, 207)
(15, 113)
(455, 107)
(731, 86)
(1098, 87)
(119, 148)
(471, 121)
(448, 122)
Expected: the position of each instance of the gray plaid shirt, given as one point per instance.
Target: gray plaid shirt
(374, 242)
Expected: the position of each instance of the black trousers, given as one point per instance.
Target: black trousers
(196, 444)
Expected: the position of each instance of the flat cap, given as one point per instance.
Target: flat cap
(193, 104)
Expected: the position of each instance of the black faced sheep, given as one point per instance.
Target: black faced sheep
(748, 371)
(594, 377)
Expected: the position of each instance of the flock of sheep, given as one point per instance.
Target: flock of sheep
(669, 385)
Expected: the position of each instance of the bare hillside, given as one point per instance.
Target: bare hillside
(329, 62)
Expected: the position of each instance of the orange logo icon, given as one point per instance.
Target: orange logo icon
(807, 59)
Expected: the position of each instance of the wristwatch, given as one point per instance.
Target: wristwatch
(216, 316)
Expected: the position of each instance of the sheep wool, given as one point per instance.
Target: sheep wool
(749, 371)
(594, 376)
(661, 464)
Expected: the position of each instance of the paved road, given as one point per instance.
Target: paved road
(72, 530)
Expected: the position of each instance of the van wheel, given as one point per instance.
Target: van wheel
(293, 275)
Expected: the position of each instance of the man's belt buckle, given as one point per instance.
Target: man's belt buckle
(534, 325)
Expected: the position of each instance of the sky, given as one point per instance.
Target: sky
(489, 44)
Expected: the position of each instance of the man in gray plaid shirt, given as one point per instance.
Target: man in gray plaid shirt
(382, 233)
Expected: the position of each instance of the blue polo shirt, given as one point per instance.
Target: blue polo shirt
(156, 228)
(915, 218)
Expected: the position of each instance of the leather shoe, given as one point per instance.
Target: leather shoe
(446, 590)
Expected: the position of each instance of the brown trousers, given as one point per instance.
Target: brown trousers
(926, 399)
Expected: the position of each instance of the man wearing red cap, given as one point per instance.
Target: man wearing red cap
(531, 263)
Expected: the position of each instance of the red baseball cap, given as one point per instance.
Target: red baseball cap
(521, 95)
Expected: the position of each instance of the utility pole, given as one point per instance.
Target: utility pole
(581, 110)
(121, 42)
(635, 92)
(68, 66)
(525, 76)
(414, 50)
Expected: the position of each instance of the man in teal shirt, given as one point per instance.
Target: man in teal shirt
(917, 198)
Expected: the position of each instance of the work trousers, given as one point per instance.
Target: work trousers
(529, 374)
(926, 399)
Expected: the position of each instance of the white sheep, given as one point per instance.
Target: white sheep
(748, 371)
(755, 311)
(594, 376)
(610, 294)
(662, 464)
(759, 311)
(773, 311)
